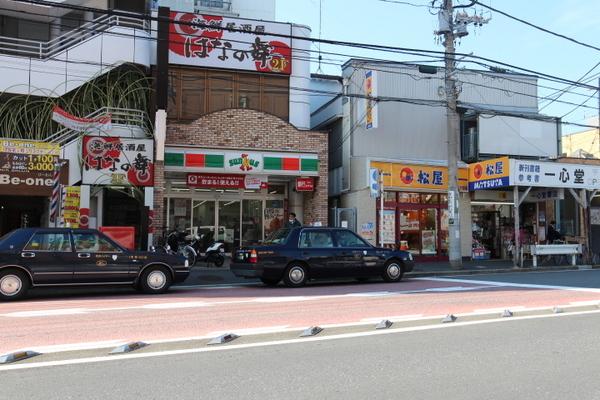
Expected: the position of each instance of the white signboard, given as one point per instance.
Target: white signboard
(537, 195)
(117, 161)
(242, 161)
(225, 42)
(554, 175)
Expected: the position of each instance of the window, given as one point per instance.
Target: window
(221, 92)
(278, 237)
(194, 92)
(49, 242)
(316, 239)
(348, 239)
(92, 243)
(276, 96)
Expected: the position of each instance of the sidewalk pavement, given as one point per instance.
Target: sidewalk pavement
(202, 275)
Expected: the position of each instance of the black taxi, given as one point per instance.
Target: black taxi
(296, 255)
(32, 257)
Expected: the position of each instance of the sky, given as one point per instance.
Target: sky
(389, 23)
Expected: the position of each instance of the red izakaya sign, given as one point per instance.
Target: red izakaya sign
(305, 184)
(118, 161)
(223, 42)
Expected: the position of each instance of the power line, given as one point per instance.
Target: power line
(384, 48)
(406, 3)
(536, 26)
(311, 59)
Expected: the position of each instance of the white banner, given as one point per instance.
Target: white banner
(554, 175)
(372, 109)
(70, 121)
(225, 42)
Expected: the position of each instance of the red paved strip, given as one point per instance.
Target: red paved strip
(242, 312)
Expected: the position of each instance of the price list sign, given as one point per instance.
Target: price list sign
(26, 167)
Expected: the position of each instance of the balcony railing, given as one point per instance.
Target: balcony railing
(41, 49)
(119, 116)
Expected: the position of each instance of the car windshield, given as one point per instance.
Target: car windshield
(278, 237)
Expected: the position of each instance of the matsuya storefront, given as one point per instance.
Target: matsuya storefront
(240, 196)
(415, 216)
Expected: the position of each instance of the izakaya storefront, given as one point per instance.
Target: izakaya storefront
(239, 196)
(415, 215)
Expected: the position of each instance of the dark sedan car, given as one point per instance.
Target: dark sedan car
(299, 254)
(33, 257)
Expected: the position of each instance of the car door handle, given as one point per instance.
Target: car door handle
(84, 255)
(27, 254)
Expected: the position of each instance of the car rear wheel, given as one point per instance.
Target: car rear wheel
(13, 284)
(295, 275)
(393, 271)
(270, 281)
(155, 280)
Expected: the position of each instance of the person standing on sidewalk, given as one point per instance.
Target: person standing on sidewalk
(292, 221)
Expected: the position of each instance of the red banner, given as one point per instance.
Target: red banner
(81, 124)
(225, 181)
(305, 184)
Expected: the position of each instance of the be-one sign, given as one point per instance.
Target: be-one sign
(305, 184)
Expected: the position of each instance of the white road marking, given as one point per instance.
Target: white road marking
(511, 284)
(46, 313)
(499, 309)
(410, 317)
(75, 346)
(585, 303)
(252, 331)
(183, 304)
(90, 360)
(283, 299)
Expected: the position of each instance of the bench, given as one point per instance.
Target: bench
(555, 249)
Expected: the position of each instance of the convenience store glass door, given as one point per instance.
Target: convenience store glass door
(229, 224)
(203, 217)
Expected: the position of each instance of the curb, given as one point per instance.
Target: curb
(417, 274)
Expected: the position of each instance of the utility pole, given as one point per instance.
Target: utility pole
(451, 27)
(454, 251)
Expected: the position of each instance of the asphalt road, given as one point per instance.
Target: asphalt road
(546, 358)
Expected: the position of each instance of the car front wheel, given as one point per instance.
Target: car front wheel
(295, 275)
(155, 280)
(393, 271)
(13, 284)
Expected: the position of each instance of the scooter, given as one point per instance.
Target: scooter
(208, 250)
(176, 243)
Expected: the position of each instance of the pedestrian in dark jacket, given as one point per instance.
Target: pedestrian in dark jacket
(292, 221)
(553, 234)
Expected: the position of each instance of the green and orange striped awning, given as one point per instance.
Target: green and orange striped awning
(186, 159)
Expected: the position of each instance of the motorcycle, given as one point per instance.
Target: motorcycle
(176, 242)
(207, 249)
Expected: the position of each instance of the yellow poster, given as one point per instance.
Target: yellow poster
(71, 203)
(412, 176)
(29, 147)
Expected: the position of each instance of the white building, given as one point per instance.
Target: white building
(404, 134)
